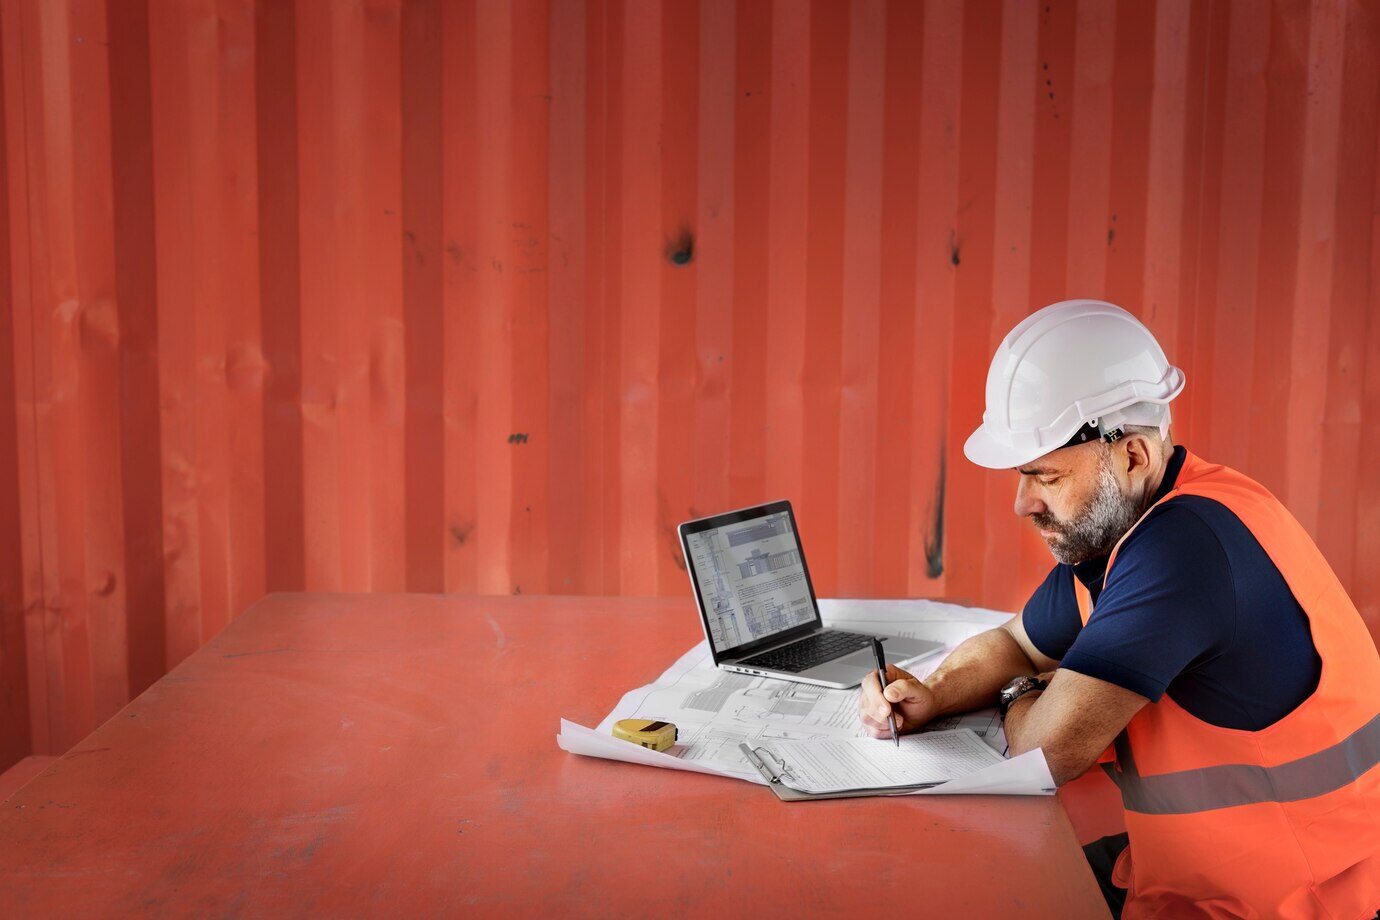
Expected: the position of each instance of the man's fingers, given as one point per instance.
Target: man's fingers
(878, 725)
(883, 730)
(876, 703)
(903, 691)
(870, 725)
(879, 728)
(872, 697)
(894, 674)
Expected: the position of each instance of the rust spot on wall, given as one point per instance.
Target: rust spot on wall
(934, 540)
(681, 250)
(107, 585)
(410, 241)
(459, 533)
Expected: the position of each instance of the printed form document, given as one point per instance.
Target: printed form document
(814, 731)
(863, 763)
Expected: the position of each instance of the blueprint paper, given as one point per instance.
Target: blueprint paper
(577, 739)
(716, 710)
(866, 763)
(1025, 774)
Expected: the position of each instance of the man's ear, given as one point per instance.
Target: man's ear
(1138, 449)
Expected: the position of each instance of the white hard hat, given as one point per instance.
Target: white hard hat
(1069, 373)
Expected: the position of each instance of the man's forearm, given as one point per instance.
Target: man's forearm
(1024, 729)
(973, 675)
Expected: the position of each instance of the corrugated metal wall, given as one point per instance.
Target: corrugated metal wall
(486, 296)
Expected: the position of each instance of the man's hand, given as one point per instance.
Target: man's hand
(916, 704)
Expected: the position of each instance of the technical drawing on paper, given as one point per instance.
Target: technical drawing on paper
(792, 701)
(714, 697)
(985, 723)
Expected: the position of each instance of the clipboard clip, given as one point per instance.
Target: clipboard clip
(783, 782)
(767, 763)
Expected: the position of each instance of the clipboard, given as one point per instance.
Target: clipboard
(778, 775)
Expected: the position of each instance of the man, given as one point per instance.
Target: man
(1190, 622)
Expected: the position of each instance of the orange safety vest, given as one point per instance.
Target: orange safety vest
(1282, 822)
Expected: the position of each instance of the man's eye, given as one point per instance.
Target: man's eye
(1049, 482)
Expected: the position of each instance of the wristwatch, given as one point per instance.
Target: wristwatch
(1017, 689)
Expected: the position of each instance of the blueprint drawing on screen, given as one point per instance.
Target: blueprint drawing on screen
(752, 580)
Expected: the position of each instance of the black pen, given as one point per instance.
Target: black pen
(881, 682)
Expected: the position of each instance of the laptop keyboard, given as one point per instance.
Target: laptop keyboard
(808, 652)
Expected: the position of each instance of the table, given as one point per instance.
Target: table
(395, 755)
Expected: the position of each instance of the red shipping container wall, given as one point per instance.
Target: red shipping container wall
(488, 296)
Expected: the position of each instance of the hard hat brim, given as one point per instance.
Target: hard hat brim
(985, 450)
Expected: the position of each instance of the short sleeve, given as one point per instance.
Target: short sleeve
(1051, 617)
(1168, 605)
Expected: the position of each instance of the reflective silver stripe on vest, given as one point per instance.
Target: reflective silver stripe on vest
(1188, 791)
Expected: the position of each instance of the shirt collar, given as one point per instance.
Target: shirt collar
(1090, 571)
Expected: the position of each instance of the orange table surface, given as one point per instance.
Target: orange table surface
(395, 755)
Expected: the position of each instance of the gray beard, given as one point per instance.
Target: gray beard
(1097, 528)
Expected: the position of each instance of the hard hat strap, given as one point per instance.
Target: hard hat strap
(1092, 431)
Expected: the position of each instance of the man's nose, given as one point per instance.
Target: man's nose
(1027, 503)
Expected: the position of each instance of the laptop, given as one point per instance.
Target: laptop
(758, 607)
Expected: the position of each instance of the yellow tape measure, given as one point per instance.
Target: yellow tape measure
(655, 735)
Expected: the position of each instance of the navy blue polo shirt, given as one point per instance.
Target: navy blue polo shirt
(1193, 608)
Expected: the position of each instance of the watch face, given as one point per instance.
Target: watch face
(1015, 687)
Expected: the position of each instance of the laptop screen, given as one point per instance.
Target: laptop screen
(751, 579)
